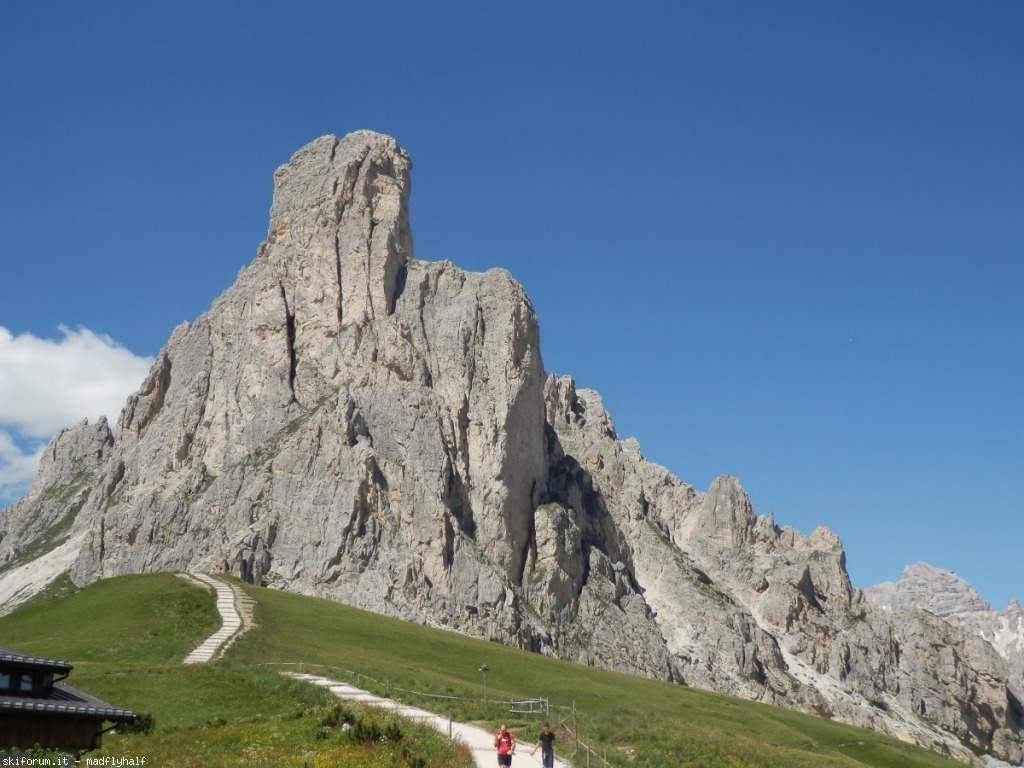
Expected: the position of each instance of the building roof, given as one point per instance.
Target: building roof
(23, 661)
(65, 700)
(60, 698)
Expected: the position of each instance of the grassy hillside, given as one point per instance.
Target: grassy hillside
(637, 722)
(122, 652)
(156, 618)
(126, 638)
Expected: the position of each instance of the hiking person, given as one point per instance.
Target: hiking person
(505, 743)
(546, 742)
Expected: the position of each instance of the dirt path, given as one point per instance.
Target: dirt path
(480, 742)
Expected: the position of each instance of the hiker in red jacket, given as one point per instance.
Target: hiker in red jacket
(505, 743)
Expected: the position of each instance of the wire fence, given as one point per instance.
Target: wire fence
(535, 706)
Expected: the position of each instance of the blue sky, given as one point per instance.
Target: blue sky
(785, 241)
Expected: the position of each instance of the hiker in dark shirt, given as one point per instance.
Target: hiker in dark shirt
(546, 742)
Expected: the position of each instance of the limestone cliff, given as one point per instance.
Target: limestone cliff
(923, 587)
(763, 612)
(349, 422)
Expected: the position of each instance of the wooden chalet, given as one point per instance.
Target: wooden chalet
(38, 708)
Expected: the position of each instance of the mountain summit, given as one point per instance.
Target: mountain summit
(349, 422)
(924, 587)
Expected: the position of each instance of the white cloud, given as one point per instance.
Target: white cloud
(49, 384)
(17, 467)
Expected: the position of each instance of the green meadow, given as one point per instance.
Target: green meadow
(126, 637)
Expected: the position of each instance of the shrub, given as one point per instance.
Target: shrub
(143, 723)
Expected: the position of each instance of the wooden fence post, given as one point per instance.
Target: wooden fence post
(576, 731)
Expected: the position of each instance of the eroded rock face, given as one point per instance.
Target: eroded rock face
(923, 587)
(66, 480)
(344, 421)
(348, 422)
(763, 612)
(37, 547)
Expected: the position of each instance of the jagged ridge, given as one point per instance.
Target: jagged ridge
(349, 422)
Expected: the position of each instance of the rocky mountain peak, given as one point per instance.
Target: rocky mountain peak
(339, 228)
(727, 514)
(348, 422)
(925, 587)
(922, 585)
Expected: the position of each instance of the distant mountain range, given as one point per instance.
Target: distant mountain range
(350, 422)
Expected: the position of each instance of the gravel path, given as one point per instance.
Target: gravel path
(230, 599)
(480, 742)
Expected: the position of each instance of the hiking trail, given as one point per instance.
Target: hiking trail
(480, 741)
(235, 609)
